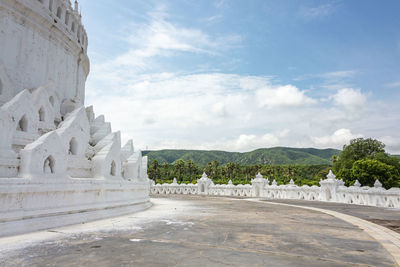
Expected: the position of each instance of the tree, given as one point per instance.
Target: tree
(229, 169)
(359, 148)
(165, 170)
(215, 165)
(368, 171)
(179, 167)
(248, 172)
(223, 172)
(191, 168)
(390, 160)
(209, 170)
(366, 161)
(236, 170)
(321, 175)
(154, 171)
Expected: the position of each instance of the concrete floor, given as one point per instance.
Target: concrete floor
(201, 231)
(386, 217)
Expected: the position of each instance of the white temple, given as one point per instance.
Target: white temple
(59, 163)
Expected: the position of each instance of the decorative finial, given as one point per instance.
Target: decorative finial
(357, 183)
(377, 184)
(291, 182)
(331, 175)
(76, 5)
(274, 182)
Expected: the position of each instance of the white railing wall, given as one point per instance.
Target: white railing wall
(330, 189)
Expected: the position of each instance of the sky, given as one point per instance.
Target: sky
(240, 75)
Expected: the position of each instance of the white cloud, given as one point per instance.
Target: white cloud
(250, 142)
(338, 74)
(198, 107)
(392, 144)
(162, 108)
(317, 12)
(161, 38)
(213, 19)
(282, 96)
(336, 140)
(221, 3)
(333, 80)
(349, 98)
(241, 143)
(234, 112)
(393, 84)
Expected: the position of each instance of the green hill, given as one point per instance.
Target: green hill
(265, 156)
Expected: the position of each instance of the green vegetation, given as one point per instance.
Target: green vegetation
(363, 159)
(263, 156)
(366, 160)
(189, 172)
(303, 165)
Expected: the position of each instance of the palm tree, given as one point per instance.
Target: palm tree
(191, 168)
(179, 169)
(215, 165)
(154, 171)
(165, 170)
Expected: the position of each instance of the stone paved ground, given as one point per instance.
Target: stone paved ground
(201, 231)
(387, 217)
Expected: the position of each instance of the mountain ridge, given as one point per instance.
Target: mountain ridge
(265, 156)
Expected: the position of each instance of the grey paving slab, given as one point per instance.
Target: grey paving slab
(208, 232)
(387, 217)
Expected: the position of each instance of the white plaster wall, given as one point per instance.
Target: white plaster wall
(26, 206)
(44, 180)
(34, 52)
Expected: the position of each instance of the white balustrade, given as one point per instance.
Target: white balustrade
(331, 190)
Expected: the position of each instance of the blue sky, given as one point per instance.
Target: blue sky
(240, 75)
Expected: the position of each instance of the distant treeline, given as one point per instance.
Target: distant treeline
(362, 159)
(189, 172)
(262, 156)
